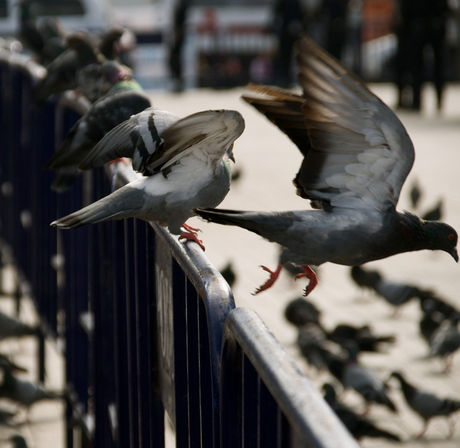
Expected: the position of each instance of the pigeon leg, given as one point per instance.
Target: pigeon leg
(189, 236)
(270, 282)
(190, 228)
(311, 275)
(422, 432)
(451, 424)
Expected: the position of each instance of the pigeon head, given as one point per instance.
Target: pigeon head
(441, 236)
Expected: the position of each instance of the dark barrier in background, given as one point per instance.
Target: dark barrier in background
(148, 325)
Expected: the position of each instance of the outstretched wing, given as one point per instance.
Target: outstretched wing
(360, 152)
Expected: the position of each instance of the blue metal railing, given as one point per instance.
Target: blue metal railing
(148, 325)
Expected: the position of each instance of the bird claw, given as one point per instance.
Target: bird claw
(189, 236)
(311, 275)
(272, 279)
(190, 229)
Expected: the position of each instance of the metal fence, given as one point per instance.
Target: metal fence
(148, 326)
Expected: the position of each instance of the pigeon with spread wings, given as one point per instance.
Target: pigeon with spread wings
(357, 155)
(187, 163)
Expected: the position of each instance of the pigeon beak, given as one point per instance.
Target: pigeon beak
(454, 254)
(230, 153)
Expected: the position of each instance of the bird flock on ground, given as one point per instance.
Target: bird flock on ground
(356, 157)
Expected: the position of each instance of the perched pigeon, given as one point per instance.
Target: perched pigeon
(357, 156)
(62, 72)
(123, 100)
(362, 336)
(355, 375)
(189, 170)
(11, 327)
(301, 311)
(426, 404)
(358, 425)
(445, 341)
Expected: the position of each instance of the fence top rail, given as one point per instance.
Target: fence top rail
(35, 70)
(300, 402)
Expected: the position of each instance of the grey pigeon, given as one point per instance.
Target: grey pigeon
(445, 341)
(312, 342)
(23, 392)
(358, 425)
(427, 404)
(11, 327)
(355, 375)
(357, 155)
(189, 171)
(124, 99)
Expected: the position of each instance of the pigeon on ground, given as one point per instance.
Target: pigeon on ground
(312, 342)
(426, 404)
(358, 425)
(124, 99)
(228, 272)
(435, 214)
(23, 392)
(188, 165)
(301, 311)
(415, 194)
(11, 327)
(395, 293)
(354, 375)
(430, 319)
(365, 279)
(437, 303)
(445, 341)
(357, 155)
(362, 336)
(18, 441)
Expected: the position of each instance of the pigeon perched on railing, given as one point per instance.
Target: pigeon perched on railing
(358, 425)
(427, 404)
(124, 99)
(189, 167)
(357, 156)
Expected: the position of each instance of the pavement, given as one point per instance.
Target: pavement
(267, 162)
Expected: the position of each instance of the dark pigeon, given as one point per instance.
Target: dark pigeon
(365, 279)
(357, 155)
(415, 194)
(301, 311)
(358, 425)
(426, 404)
(312, 343)
(445, 341)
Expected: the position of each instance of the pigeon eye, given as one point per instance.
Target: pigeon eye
(451, 236)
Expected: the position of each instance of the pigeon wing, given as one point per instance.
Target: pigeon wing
(361, 153)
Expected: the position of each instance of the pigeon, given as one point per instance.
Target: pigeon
(362, 336)
(438, 304)
(23, 392)
(365, 279)
(355, 375)
(18, 441)
(395, 293)
(358, 425)
(312, 343)
(11, 327)
(415, 194)
(124, 99)
(445, 341)
(189, 170)
(301, 311)
(357, 155)
(62, 71)
(426, 404)
(228, 272)
(435, 214)
(430, 320)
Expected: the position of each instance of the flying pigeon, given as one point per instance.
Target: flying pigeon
(357, 156)
(426, 404)
(124, 99)
(188, 166)
(358, 425)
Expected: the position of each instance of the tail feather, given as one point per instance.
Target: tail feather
(118, 205)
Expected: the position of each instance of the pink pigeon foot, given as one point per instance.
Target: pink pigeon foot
(270, 282)
(190, 228)
(190, 236)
